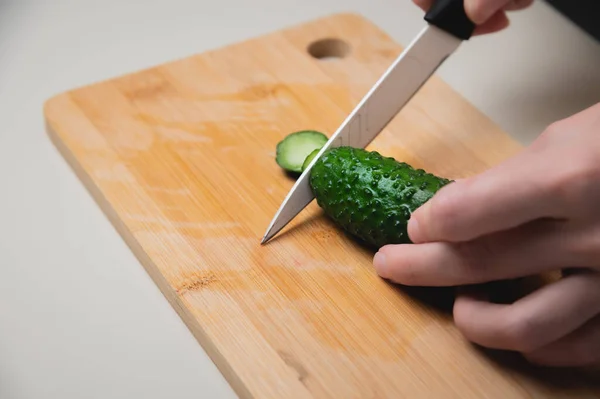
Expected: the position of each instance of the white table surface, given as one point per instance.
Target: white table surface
(79, 317)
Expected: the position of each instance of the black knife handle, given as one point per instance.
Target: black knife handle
(450, 16)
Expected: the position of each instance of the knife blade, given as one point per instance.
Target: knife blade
(447, 27)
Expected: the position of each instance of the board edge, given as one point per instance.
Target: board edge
(195, 328)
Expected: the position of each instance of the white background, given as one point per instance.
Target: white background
(79, 317)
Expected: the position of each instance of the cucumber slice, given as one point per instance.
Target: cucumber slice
(295, 147)
(310, 158)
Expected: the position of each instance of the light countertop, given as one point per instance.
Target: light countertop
(79, 316)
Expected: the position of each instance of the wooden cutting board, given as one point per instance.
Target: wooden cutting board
(181, 159)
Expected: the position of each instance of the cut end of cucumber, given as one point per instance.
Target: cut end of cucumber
(292, 151)
(309, 158)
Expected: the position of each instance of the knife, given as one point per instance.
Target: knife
(447, 27)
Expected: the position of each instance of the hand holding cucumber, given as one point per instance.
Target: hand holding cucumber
(538, 211)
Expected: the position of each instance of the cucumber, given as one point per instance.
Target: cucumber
(295, 147)
(369, 195)
(310, 158)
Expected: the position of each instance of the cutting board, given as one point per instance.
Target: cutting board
(181, 159)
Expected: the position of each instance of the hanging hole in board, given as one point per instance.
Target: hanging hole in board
(329, 49)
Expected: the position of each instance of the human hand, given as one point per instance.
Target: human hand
(488, 15)
(538, 211)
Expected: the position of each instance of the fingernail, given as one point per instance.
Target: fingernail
(412, 229)
(379, 262)
(415, 228)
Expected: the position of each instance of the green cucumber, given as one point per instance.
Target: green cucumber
(310, 158)
(291, 152)
(371, 196)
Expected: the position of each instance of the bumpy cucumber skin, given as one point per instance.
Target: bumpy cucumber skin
(291, 144)
(371, 196)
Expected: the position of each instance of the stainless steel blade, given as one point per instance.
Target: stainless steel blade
(387, 97)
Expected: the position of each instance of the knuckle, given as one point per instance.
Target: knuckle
(545, 138)
(553, 130)
(406, 275)
(485, 248)
(474, 264)
(576, 184)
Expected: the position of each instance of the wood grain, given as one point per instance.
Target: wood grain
(181, 159)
